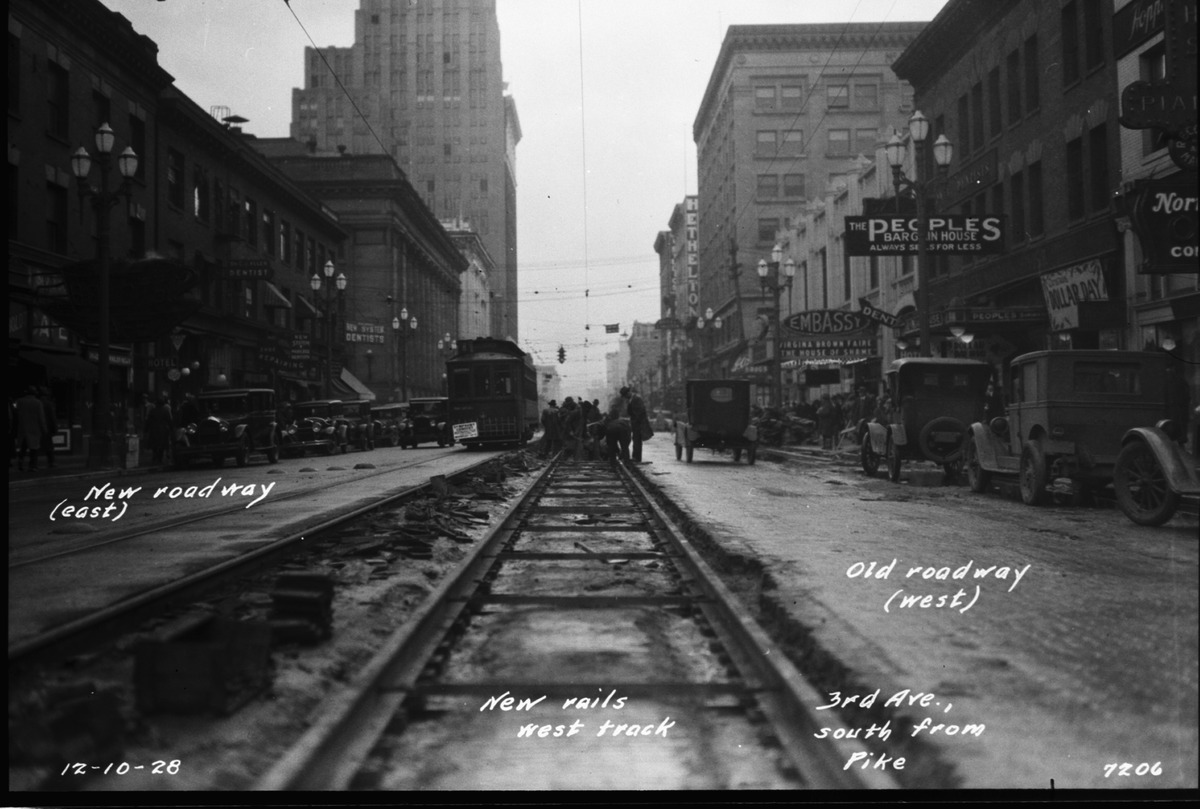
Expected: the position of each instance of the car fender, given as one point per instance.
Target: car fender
(877, 434)
(899, 436)
(986, 446)
(1178, 466)
(239, 430)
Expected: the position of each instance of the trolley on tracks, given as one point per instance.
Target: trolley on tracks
(493, 393)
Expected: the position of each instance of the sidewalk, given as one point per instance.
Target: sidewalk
(71, 465)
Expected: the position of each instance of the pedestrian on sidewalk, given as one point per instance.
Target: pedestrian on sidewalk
(827, 421)
(158, 430)
(51, 425)
(617, 431)
(31, 426)
(639, 424)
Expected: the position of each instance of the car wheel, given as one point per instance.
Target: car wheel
(393, 442)
(330, 448)
(272, 454)
(1143, 492)
(242, 456)
(978, 478)
(752, 454)
(1033, 475)
(737, 455)
(931, 450)
(892, 459)
(679, 452)
(868, 456)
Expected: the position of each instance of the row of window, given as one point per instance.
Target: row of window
(791, 94)
(790, 142)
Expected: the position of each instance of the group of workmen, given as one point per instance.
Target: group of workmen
(582, 431)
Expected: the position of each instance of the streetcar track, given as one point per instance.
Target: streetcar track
(584, 588)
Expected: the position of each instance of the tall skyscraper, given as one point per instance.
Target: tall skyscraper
(427, 78)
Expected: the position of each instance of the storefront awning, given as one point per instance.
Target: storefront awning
(275, 299)
(63, 366)
(306, 308)
(347, 384)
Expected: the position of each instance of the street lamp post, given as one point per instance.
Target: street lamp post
(446, 346)
(398, 324)
(330, 319)
(943, 153)
(769, 280)
(103, 200)
(707, 317)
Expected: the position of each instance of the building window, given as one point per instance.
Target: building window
(767, 228)
(964, 123)
(285, 242)
(202, 194)
(103, 107)
(764, 98)
(1033, 74)
(446, 150)
(1093, 34)
(838, 95)
(977, 130)
(1098, 167)
(765, 143)
(768, 186)
(137, 142)
(791, 96)
(268, 226)
(847, 281)
(137, 237)
(866, 96)
(793, 142)
(251, 223)
(1014, 87)
(483, 187)
(14, 74)
(175, 192)
(58, 99)
(864, 141)
(793, 185)
(839, 141)
(1070, 44)
(299, 253)
(235, 213)
(1075, 179)
(1017, 197)
(995, 114)
(1037, 211)
(56, 218)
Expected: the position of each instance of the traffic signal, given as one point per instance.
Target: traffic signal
(562, 355)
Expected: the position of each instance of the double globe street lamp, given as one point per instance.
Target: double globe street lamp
(330, 320)
(715, 330)
(943, 153)
(447, 346)
(770, 280)
(401, 334)
(103, 199)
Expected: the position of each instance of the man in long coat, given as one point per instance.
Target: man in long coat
(639, 420)
(31, 426)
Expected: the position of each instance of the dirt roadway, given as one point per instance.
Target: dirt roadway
(1088, 659)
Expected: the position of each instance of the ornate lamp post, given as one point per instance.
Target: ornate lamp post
(103, 199)
(330, 316)
(943, 153)
(401, 335)
(769, 280)
(712, 332)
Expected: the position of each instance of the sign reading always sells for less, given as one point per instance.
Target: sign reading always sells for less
(900, 235)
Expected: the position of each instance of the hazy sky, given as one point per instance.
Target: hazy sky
(604, 156)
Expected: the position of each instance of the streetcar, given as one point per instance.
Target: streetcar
(493, 393)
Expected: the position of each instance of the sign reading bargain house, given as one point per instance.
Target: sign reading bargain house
(952, 234)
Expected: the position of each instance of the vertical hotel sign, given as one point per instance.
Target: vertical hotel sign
(692, 243)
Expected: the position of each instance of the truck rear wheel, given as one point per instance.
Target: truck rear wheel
(1033, 475)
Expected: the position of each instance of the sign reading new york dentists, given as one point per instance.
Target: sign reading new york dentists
(952, 234)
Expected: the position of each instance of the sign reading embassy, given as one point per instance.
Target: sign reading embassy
(952, 234)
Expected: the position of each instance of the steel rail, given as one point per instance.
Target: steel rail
(329, 755)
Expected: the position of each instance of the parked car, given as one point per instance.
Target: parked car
(391, 420)
(319, 425)
(1154, 474)
(428, 420)
(360, 424)
(663, 420)
(234, 422)
(1068, 415)
(719, 417)
(935, 400)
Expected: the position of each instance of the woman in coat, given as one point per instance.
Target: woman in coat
(827, 421)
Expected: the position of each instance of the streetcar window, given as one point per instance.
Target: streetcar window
(504, 382)
(460, 383)
(483, 381)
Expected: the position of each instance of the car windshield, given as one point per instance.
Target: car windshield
(224, 406)
(322, 410)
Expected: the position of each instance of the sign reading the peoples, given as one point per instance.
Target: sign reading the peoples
(952, 234)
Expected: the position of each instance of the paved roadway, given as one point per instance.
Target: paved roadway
(1089, 659)
(46, 595)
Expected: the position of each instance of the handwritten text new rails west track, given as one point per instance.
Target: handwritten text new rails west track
(118, 501)
(506, 703)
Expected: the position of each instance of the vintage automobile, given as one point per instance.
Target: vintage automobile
(319, 425)
(1068, 415)
(1155, 474)
(663, 420)
(717, 417)
(360, 424)
(428, 420)
(231, 422)
(935, 399)
(390, 421)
